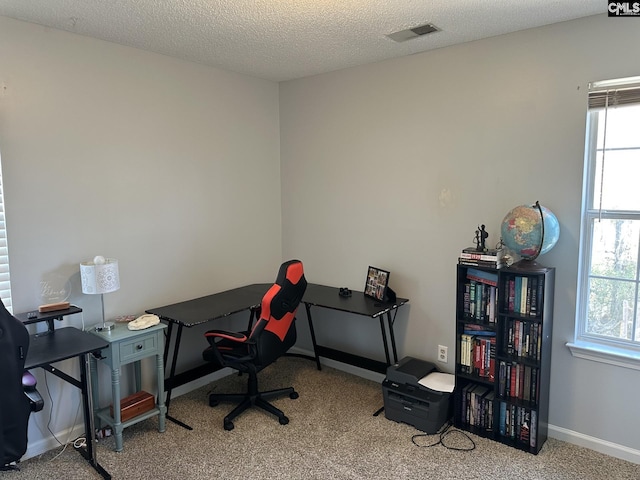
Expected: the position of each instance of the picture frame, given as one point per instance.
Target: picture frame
(376, 283)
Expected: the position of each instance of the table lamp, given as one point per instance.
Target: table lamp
(100, 276)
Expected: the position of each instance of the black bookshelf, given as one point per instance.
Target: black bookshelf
(504, 320)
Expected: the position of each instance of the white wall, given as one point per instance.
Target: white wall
(170, 167)
(395, 164)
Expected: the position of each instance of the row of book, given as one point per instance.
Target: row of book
(523, 294)
(518, 423)
(486, 258)
(523, 339)
(480, 301)
(518, 381)
(478, 353)
(477, 406)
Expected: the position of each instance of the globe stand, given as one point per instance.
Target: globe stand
(530, 266)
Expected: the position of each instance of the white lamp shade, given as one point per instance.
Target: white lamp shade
(100, 278)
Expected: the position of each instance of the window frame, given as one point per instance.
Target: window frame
(615, 351)
(5, 277)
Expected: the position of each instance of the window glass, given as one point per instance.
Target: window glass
(608, 306)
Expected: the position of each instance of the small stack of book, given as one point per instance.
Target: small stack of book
(488, 258)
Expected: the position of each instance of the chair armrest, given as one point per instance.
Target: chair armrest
(227, 346)
(29, 386)
(239, 337)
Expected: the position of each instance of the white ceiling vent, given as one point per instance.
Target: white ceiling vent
(414, 32)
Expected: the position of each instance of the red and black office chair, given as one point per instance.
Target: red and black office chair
(272, 335)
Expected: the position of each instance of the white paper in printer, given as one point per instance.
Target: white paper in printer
(439, 382)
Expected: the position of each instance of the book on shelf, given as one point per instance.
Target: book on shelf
(488, 258)
(490, 278)
(480, 301)
(478, 355)
(479, 333)
(479, 263)
(534, 428)
(524, 294)
(487, 251)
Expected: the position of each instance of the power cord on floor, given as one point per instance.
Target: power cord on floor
(446, 430)
(65, 444)
(80, 442)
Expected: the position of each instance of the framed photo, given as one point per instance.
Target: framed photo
(376, 284)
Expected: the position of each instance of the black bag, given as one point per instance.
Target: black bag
(14, 404)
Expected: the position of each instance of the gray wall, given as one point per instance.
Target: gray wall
(392, 164)
(171, 167)
(395, 164)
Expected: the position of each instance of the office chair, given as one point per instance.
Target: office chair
(249, 352)
(15, 405)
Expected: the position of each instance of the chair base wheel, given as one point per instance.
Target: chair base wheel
(228, 425)
(293, 395)
(213, 402)
(283, 420)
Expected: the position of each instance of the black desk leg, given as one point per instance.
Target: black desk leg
(393, 337)
(313, 336)
(252, 316)
(167, 340)
(386, 354)
(172, 374)
(384, 341)
(386, 347)
(89, 427)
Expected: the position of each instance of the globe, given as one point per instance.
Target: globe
(522, 230)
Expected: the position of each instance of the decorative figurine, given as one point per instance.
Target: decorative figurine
(481, 239)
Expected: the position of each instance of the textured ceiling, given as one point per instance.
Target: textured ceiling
(286, 39)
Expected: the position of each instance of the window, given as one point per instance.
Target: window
(5, 283)
(608, 314)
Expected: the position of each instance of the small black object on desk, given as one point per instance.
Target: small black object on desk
(344, 292)
(28, 318)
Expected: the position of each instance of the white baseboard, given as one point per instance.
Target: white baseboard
(593, 443)
(608, 448)
(45, 444)
(559, 433)
(359, 372)
(200, 382)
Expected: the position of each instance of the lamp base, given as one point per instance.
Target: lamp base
(105, 327)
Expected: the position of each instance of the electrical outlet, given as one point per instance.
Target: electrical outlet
(442, 353)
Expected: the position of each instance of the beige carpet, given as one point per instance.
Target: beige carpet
(332, 434)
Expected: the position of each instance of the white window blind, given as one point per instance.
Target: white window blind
(614, 93)
(5, 281)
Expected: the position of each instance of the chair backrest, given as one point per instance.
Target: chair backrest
(14, 405)
(274, 332)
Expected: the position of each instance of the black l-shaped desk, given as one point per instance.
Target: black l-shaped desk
(328, 297)
(219, 305)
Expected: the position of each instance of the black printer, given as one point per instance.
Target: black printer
(407, 401)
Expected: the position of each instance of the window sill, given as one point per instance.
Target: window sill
(604, 354)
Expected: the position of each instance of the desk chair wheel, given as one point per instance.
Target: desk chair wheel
(293, 395)
(283, 420)
(213, 402)
(228, 425)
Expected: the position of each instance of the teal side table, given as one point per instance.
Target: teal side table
(129, 346)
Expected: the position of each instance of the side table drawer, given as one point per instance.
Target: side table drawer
(137, 348)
